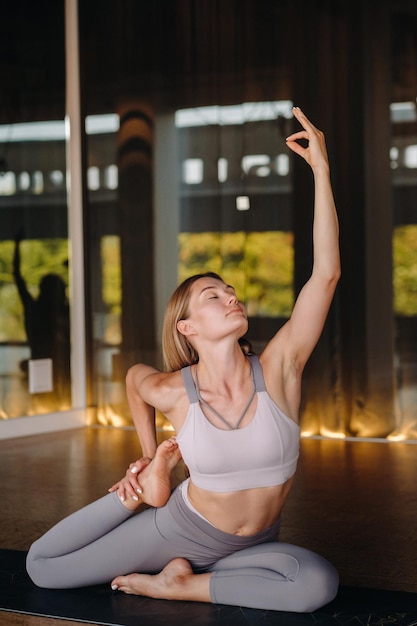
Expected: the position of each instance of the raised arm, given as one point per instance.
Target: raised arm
(297, 339)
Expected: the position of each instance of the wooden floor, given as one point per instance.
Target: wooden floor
(354, 502)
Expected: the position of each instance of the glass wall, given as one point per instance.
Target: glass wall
(216, 86)
(235, 191)
(226, 81)
(104, 277)
(403, 162)
(185, 108)
(222, 201)
(34, 311)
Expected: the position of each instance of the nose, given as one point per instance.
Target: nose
(233, 299)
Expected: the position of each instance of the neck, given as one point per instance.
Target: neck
(215, 368)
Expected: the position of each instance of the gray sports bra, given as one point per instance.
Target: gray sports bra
(262, 454)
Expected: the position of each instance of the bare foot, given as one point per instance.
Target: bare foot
(155, 478)
(176, 581)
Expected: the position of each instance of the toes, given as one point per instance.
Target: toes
(118, 583)
(126, 584)
(115, 583)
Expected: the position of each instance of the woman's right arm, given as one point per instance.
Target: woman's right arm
(143, 415)
(148, 389)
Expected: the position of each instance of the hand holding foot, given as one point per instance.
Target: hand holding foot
(129, 484)
(155, 478)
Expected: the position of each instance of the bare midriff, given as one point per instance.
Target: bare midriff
(244, 513)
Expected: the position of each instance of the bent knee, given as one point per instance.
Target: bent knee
(36, 574)
(37, 569)
(321, 585)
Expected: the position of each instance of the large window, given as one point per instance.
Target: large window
(34, 321)
(235, 201)
(403, 158)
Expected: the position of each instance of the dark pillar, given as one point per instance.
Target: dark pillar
(377, 417)
(135, 151)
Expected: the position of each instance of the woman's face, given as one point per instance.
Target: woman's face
(214, 309)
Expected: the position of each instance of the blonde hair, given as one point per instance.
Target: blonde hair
(176, 349)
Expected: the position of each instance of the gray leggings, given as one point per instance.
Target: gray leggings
(105, 540)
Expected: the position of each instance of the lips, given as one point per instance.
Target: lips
(236, 310)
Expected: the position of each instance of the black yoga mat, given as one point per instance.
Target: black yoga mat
(100, 605)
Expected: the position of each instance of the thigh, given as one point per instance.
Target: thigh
(280, 558)
(134, 545)
(277, 576)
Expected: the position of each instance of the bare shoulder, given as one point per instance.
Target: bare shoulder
(163, 390)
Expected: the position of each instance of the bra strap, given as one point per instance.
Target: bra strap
(258, 375)
(187, 378)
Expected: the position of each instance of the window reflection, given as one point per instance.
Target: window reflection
(236, 217)
(34, 321)
(403, 157)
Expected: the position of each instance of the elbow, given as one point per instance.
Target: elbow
(332, 281)
(327, 267)
(131, 375)
(338, 269)
(329, 277)
(332, 273)
(134, 378)
(337, 273)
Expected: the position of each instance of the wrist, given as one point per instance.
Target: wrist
(321, 170)
(148, 456)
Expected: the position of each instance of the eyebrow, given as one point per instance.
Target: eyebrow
(216, 287)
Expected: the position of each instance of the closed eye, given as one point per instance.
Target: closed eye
(212, 291)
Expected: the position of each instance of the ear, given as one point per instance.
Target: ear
(185, 328)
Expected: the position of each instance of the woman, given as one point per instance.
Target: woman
(214, 539)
